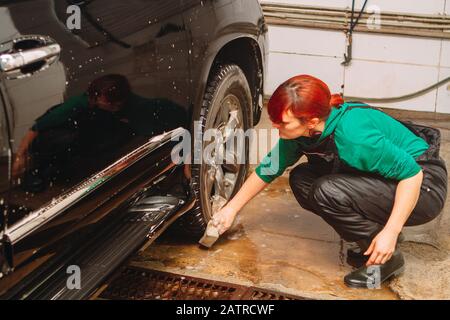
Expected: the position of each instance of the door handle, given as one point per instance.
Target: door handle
(28, 55)
(14, 61)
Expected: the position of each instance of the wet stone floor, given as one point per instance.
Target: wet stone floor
(276, 244)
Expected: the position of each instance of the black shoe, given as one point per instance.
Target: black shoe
(356, 257)
(373, 276)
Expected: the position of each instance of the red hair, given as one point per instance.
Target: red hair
(307, 97)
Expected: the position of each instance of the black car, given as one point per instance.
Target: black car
(95, 95)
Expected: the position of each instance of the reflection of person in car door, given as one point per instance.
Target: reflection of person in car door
(102, 119)
(367, 174)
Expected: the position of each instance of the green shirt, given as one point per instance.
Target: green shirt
(58, 115)
(366, 139)
(144, 116)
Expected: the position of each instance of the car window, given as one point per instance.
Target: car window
(100, 22)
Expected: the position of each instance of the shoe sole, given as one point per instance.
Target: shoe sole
(394, 274)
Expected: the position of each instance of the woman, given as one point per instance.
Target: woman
(367, 174)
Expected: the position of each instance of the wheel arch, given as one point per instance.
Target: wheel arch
(245, 52)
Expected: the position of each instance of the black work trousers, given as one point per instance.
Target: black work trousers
(357, 204)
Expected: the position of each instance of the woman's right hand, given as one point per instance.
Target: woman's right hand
(224, 219)
(19, 165)
(22, 156)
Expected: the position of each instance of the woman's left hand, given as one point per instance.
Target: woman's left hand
(382, 247)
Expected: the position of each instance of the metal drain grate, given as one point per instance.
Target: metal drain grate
(143, 284)
(263, 294)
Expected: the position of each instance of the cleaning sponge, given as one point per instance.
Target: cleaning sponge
(211, 235)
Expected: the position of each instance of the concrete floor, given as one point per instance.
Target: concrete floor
(275, 244)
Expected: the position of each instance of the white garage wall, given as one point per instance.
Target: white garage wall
(296, 51)
(400, 6)
(383, 65)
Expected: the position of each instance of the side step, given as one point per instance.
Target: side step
(98, 258)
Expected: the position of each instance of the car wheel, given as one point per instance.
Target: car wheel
(227, 107)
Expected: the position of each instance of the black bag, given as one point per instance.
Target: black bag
(431, 135)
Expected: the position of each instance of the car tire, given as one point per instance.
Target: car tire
(227, 97)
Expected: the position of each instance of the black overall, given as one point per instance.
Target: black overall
(358, 204)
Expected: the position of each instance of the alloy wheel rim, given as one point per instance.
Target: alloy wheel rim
(221, 169)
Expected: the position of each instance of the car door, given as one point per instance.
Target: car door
(4, 160)
(58, 51)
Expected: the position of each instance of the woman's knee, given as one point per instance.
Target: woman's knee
(293, 176)
(304, 174)
(319, 196)
(326, 189)
(300, 180)
(297, 176)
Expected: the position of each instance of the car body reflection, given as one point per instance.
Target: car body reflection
(79, 137)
